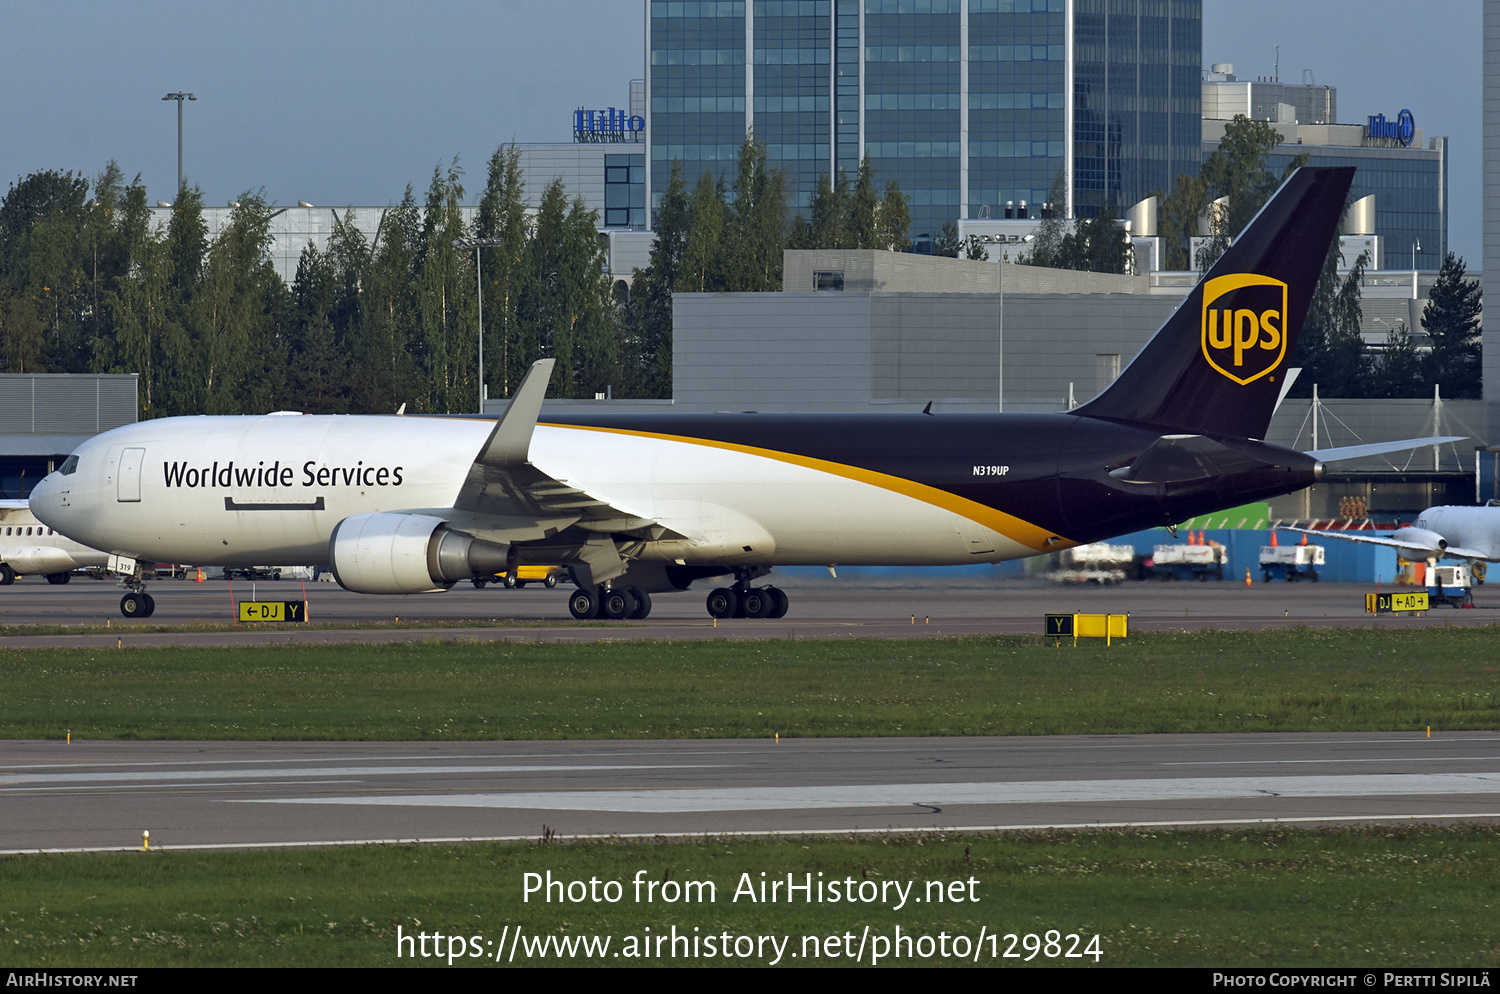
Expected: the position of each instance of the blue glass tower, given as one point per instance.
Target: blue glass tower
(968, 104)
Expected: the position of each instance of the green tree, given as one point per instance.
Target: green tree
(829, 215)
(1331, 351)
(947, 243)
(506, 269)
(757, 225)
(703, 264)
(384, 373)
(446, 313)
(1097, 244)
(317, 366)
(1399, 370)
(647, 319)
(1238, 172)
(235, 328)
(863, 223)
(1452, 321)
(893, 220)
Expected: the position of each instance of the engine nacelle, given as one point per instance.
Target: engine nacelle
(388, 553)
(1425, 544)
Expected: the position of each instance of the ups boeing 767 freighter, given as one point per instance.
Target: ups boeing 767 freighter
(644, 504)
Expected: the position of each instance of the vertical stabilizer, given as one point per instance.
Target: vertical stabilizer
(1217, 365)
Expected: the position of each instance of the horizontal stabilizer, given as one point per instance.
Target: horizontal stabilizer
(1183, 459)
(1381, 448)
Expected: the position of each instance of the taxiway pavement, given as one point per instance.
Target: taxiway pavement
(820, 609)
(103, 795)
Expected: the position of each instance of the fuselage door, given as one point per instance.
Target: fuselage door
(129, 486)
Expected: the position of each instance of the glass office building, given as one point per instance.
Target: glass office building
(969, 104)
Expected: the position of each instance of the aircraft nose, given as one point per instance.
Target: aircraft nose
(46, 501)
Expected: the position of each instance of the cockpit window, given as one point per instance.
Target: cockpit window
(69, 467)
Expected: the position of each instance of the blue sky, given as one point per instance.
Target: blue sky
(346, 103)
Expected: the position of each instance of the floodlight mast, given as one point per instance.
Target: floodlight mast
(179, 96)
(476, 244)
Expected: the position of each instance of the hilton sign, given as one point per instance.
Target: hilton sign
(1402, 130)
(607, 126)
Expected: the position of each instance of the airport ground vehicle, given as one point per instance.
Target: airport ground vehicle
(1291, 562)
(1186, 562)
(1451, 585)
(547, 576)
(1097, 563)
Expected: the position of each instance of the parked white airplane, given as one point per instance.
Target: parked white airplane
(1438, 533)
(29, 547)
(640, 504)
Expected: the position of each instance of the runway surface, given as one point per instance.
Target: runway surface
(828, 608)
(104, 795)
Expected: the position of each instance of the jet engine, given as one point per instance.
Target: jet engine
(1424, 544)
(386, 553)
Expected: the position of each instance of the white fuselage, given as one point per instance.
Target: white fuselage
(249, 490)
(1476, 528)
(30, 547)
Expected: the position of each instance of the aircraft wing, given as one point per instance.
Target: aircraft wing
(1436, 552)
(510, 498)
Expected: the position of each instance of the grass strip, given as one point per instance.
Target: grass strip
(1411, 896)
(1302, 680)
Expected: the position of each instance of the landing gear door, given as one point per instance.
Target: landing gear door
(129, 485)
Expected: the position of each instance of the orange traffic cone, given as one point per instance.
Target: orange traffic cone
(1274, 543)
(1304, 539)
(1248, 581)
(200, 574)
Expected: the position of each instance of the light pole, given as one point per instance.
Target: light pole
(179, 96)
(476, 244)
(1416, 246)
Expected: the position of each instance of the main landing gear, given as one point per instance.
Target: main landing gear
(612, 603)
(745, 601)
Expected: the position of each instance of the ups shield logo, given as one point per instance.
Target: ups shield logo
(1244, 325)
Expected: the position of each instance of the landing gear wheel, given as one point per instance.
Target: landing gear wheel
(584, 604)
(7, 575)
(755, 604)
(617, 604)
(779, 602)
(133, 606)
(59, 578)
(510, 582)
(150, 605)
(479, 584)
(723, 603)
(642, 604)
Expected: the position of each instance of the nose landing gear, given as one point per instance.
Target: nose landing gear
(137, 604)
